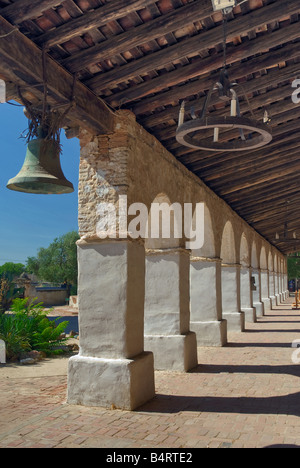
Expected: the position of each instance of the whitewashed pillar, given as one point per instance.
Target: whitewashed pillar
(206, 302)
(167, 310)
(265, 295)
(231, 300)
(257, 302)
(246, 295)
(112, 369)
(276, 280)
(272, 288)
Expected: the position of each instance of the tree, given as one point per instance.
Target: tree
(293, 266)
(11, 270)
(58, 262)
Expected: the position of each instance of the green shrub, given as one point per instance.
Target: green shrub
(28, 328)
(8, 293)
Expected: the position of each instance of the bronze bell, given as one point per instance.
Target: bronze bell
(41, 172)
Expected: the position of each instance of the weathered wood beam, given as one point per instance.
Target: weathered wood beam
(203, 160)
(250, 193)
(268, 191)
(272, 207)
(137, 36)
(22, 59)
(92, 19)
(278, 171)
(261, 161)
(23, 10)
(266, 198)
(217, 171)
(203, 41)
(202, 66)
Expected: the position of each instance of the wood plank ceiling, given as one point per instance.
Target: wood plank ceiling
(148, 56)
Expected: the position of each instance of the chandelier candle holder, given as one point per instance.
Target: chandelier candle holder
(190, 134)
(252, 133)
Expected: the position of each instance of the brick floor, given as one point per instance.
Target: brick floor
(244, 395)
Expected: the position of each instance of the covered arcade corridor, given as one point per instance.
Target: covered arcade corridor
(242, 395)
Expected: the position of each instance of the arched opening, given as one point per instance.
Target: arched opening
(228, 254)
(164, 225)
(246, 294)
(264, 276)
(167, 306)
(205, 290)
(256, 282)
(231, 302)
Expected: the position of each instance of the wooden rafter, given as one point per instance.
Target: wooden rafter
(21, 61)
(149, 55)
(90, 20)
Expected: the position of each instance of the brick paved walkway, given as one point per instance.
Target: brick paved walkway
(243, 395)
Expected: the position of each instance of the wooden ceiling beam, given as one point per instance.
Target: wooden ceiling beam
(22, 59)
(270, 209)
(253, 170)
(259, 159)
(249, 194)
(239, 26)
(277, 130)
(204, 66)
(278, 171)
(256, 84)
(137, 36)
(90, 20)
(23, 10)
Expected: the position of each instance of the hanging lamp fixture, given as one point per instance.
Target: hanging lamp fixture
(253, 134)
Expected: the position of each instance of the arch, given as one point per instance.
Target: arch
(263, 259)
(254, 259)
(270, 261)
(228, 254)
(275, 263)
(244, 251)
(208, 249)
(164, 224)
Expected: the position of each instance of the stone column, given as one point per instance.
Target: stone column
(206, 302)
(257, 302)
(265, 295)
(276, 281)
(285, 285)
(231, 300)
(112, 369)
(272, 288)
(167, 310)
(246, 295)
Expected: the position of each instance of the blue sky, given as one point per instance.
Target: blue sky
(28, 221)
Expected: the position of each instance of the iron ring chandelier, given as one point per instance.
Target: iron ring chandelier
(188, 135)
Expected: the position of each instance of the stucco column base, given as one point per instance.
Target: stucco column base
(213, 333)
(119, 383)
(173, 352)
(267, 303)
(273, 301)
(250, 314)
(235, 321)
(259, 306)
(277, 299)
